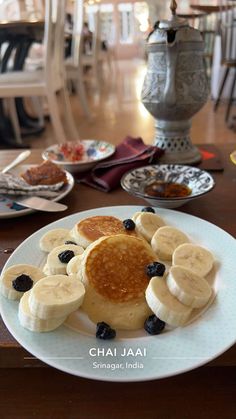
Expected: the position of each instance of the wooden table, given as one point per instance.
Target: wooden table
(43, 392)
(206, 8)
(191, 15)
(209, 8)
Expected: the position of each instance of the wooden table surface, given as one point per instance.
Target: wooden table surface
(191, 14)
(44, 392)
(209, 8)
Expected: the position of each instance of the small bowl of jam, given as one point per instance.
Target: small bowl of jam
(167, 185)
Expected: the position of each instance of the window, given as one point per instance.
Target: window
(126, 23)
(141, 14)
(107, 23)
(107, 29)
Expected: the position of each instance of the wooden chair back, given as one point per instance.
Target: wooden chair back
(54, 40)
(96, 44)
(77, 41)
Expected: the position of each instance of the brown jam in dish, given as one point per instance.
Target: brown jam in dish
(161, 189)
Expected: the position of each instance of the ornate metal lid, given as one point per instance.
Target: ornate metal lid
(180, 27)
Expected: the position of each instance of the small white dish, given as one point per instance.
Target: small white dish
(198, 181)
(93, 152)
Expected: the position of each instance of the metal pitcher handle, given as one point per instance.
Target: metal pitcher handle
(171, 63)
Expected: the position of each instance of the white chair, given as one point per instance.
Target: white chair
(50, 80)
(97, 56)
(74, 68)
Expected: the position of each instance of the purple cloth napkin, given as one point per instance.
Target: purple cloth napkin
(129, 154)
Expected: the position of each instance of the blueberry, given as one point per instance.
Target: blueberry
(148, 209)
(104, 331)
(70, 242)
(129, 224)
(155, 269)
(153, 325)
(66, 256)
(22, 283)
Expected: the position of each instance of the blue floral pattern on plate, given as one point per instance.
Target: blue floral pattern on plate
(9, 205)
(94, 150)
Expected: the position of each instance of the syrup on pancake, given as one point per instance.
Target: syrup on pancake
(116, 268)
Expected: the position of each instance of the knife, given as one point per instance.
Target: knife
(41, 204)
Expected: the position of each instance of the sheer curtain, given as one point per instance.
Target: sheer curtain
(158, 10)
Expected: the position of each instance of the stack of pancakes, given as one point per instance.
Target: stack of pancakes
(113, 272)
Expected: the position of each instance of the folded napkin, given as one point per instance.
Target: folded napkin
(130, 154)
(14, 185)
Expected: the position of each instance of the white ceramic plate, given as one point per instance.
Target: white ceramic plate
(167, 354)
(8, 207)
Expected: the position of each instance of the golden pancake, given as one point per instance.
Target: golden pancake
(116, 267)
(90, 229)
(113, 271)
(126, 316)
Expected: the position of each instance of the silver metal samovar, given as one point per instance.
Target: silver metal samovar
(175, 86)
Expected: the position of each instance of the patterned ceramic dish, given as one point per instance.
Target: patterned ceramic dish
(92, 151)
(10, 209)
(136, 181)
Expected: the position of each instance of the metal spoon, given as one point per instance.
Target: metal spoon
(22, 156)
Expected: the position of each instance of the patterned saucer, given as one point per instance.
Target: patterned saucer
(93, 152)
(198, 181)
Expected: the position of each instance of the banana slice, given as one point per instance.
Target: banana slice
(14, 281)
(56, 296)
(46, 270)
(135, 216)
(33, 323)
(74, 266)
(54, 263)
(196, 258)
(164, 305)
(187, 287)
(147, 224)
(54, 238)
(73, 236)
(166, 240)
